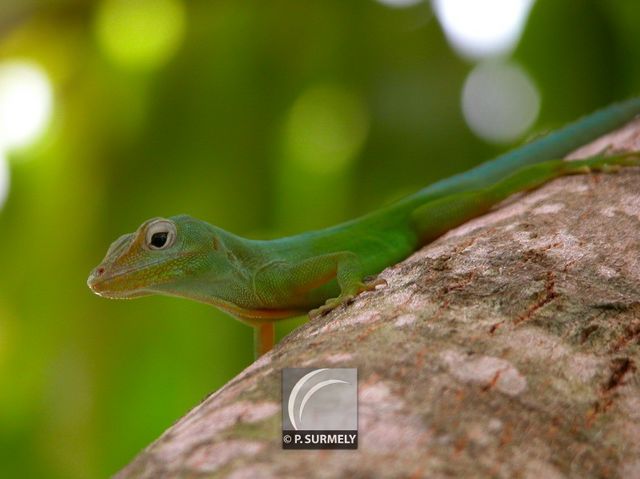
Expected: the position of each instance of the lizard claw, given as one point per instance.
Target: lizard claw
(330, 304)
(371, 284)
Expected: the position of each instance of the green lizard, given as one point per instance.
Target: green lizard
(260, 282)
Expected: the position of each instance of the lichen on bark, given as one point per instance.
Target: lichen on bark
(506, 348)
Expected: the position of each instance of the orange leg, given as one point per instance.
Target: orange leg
(263, 338)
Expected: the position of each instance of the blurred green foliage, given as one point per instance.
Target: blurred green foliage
(222, 122)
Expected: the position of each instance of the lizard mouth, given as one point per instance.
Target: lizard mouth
(114, 286)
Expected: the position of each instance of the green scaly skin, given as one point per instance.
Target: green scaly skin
(260, 282)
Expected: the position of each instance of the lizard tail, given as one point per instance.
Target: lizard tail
(552, 146)
(436, 217)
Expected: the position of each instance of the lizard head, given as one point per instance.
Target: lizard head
(161, 254)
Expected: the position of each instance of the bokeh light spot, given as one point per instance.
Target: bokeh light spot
(140, 34)
(500, 101)
(326, 129)
(399, 3)
(481, 28)
(26, 99)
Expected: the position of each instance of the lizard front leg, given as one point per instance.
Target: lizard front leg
(345, 267)
(350, 277)
(297, 283)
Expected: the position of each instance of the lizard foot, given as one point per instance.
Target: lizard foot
(345, 298)
(607, 168)
(329, 305)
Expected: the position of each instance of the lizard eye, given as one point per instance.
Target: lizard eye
(161, 234)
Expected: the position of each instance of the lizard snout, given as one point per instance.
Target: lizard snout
(94, 278)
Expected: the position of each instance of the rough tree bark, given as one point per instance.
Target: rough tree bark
(507, 348)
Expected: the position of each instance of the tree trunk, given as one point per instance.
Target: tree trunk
(507, 348)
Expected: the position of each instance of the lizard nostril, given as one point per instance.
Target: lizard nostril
(99, 271)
